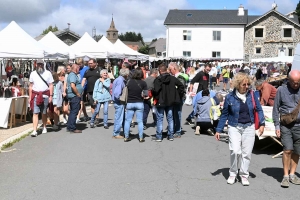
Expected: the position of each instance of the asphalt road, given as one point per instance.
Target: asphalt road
(92, 165)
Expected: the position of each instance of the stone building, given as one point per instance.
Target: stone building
(66, 35)
(270, 35)
(158, 48)
(112, 32)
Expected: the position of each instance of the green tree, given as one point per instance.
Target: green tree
(132, 37)
(144, 49)
(50, 28)
(298, 10)
(98, 37)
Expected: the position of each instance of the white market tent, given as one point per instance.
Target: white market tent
(121, 48)
(105, 44)
(107, 47)
(296, 60)
(282, 59)
(87, 46)
(52, 41)
(16, 43)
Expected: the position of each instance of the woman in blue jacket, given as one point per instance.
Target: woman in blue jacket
(238, 110)
(101, 96)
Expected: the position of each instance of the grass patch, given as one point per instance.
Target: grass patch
(11, 143)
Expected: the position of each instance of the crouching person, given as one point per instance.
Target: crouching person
(203, 108)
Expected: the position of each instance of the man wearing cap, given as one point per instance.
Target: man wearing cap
(40, 94)
(74, 92)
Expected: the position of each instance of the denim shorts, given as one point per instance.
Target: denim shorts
(41, 108)
(225, 80)
(290, 138)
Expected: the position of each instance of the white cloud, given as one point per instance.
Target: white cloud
(26, 10)
(263, 6)
(142, 16)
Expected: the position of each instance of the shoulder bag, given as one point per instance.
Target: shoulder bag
(291, 117)
(124, 96)
(42, 79)
(255, 113)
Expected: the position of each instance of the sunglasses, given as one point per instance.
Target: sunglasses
(244, 85)
(90, 63)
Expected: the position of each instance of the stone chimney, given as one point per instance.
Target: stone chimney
(241, 11)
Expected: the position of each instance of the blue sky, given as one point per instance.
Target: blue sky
(144, 16)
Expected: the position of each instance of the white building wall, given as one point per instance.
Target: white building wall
(202, 45)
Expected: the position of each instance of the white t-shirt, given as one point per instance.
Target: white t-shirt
(213, 71)
(38, 84)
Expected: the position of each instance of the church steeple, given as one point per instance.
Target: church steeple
(112, 32)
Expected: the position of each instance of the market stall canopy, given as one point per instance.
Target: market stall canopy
(280, 59)
(106, 46)
(87, 46)
(52, 41)
(296, 60)
(121, 48)
(16, 43)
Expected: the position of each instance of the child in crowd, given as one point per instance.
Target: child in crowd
(214, 81)
(56, 104)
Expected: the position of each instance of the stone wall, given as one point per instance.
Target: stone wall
(273, 38)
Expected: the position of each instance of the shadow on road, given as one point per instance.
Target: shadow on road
(275, 172)
(225, 173)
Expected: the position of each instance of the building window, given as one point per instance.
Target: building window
(216, 35)
(258, 50)
(259, 32)
(114, 35)
(186, 54)
(287, 32)
(291, 52)
(216, 54)
(187, 35)
(189, 15)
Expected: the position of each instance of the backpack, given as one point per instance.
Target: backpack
(214, 112)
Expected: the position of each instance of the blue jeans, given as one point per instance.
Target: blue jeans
(210, 83)
(119, 114)
(160, 117)
(177, 109)
(105, 112)
(132, 108)
(147, 108)
(191, 116)
(74, 109)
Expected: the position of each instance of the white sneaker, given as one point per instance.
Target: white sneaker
(77, 121)
(44, 130)
(33, 134)
(65, 121)
(197, 131)
(231, 180)
(245, 181)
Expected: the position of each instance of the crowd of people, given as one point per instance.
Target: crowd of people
(163, 91)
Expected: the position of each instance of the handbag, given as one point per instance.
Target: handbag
(291, 117)
(256, 118)
(124, 96)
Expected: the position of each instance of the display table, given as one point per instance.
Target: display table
(269, 129)
(9, 107)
